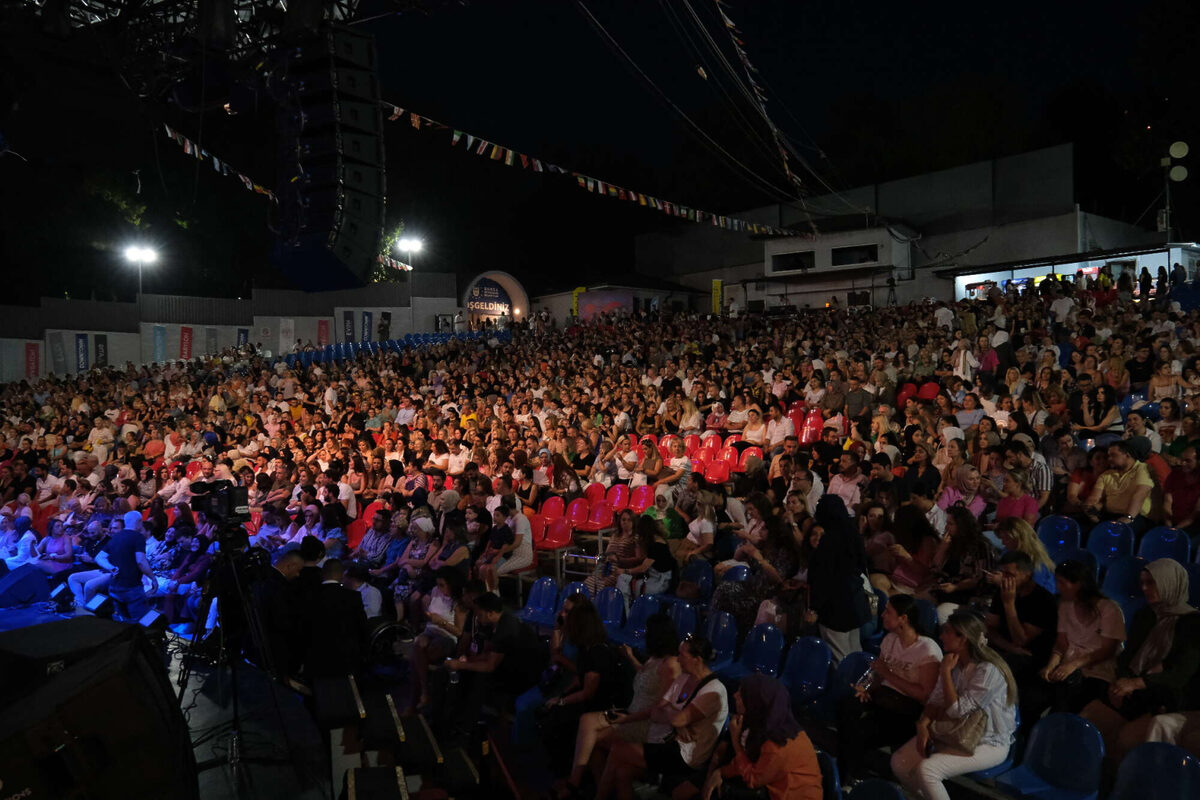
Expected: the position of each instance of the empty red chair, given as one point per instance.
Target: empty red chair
(537, 528)
(698, 465)
(577, 512)
(193, 469)
(553, 507)
(599, 519)
(810, 433)
(559, 536)
(618, 497)
(731, 438)
(749, 452)
(797, 418)
(691, 444)
(641, 498)
(355, 532)
(711, 443)
(797, 405)
(594, 493)
(729, 455)
(717, 472)
(929, 390)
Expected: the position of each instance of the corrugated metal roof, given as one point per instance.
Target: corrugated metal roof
(197, 310)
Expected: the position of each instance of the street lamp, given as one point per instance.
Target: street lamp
(410, 247)
(140, 256)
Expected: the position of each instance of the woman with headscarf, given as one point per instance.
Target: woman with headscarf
(1158, 672)
(963, 489)
(835, 578)
(770, 749)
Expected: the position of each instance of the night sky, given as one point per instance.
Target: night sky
(865, 91)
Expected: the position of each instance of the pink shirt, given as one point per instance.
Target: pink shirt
(1024, 507)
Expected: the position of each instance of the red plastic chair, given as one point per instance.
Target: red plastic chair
(729, 455)
(929, 390)
(633, 441)
(172, 512)
(731, 438)
(665, 452)
(599, 519)
(355, 532)
(594, 493)
(717, 472)
(797, 418)
(691, 444)
(618, 497)
(641, 498)
(810, 433)
(711, 443)
(577, 512)
(906, 391)
(557, 539)
(755, 452)
(537, 528)
(698, 465)
(667, 440)
(650, 437)
(193, 469)
(797, 405)
(553, 507)
(368, 513)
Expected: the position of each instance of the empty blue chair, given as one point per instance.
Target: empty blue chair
(1123, 577)
(1157, 771)
(762, 651)
(1059, 535)
(539, 608)
(1164, 542)
(685, 618)
(610, 604)
(876, 789)
(699, 572)
(736, 574)
(806, 670)
(1059, 740)
(1109, 541)
(723, 634)
(633, 632)
(831, 785)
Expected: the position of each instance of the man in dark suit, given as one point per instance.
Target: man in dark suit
(281, 615)
(338, 627)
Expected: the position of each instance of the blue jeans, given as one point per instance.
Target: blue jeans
(130, 601)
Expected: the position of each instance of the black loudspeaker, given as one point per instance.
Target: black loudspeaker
(87, 711)
(24, 585)
(331, 161)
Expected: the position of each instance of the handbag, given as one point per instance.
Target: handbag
(959, 736)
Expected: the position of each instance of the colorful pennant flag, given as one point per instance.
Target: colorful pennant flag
(221, 167)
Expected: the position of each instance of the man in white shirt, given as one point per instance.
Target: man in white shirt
(459, 458)
(943, 317)
(356, 580)
(847, 484)
(779, 428)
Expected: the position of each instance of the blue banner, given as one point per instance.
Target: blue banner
(347, 326)
(243, 336)
(160, 343)
(366, 326)
(81, 352)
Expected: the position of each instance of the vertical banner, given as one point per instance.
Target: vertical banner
(322, 332)
(33, 359)
(210, 341)
(287, 335)
(185, 342)
(718, 300)
(575, 299)
(58, 354)
(385, 325)
(81, 352)
(366, 326)
(101, 345)
(347, 326)
(243, 336)
(160, 343)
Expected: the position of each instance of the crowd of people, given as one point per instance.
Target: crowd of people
(407, 481)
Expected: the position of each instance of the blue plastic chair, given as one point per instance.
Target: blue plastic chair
(685, 618)
(736, 574)
(633, 632)
(877, 789)
(1060, 535)
(574, 587)
(1059, 740)
(1164, 542)
(762, 651)
(874, 640)
(539, 608)
(723, 634)
(1157, 771)
(927, 618)
(699, 572)
(989, 775)
(848, 672)
(1150, 411)
(1123, 577)
(1109, 541)
(610, 604)
(831, 785)
(806, 670)
(1083, 556)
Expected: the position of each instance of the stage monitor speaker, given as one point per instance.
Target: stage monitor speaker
(101, 605)
(24, 585)
(87, 711)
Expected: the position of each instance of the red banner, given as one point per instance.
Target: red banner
(322, 332)
(185, 342)
(33, 359)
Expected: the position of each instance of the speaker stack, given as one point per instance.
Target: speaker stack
(331, 161)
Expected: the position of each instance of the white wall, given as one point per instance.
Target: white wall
(401, 322)
(424, 309)
(12, 359)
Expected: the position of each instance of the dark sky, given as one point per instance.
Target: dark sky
(866, 91)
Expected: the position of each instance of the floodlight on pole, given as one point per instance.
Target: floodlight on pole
(410, 247)
(140, 256)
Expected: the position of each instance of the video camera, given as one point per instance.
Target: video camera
(222, 500)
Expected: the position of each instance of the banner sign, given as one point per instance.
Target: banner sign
(489, 298)
(33, 359)
(718, 299)
(81, 352)
(160, 343)
(243, 336)
(347, 326)
(287, 335)
(185, 342)
(575, 293)
(322, 332)
(210, 341)
(101, 346)
(58, 354)
(604, 302)
(366, 326)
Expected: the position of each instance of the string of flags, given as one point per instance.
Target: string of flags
(220, 166)
(497, 152)
(388, 261)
